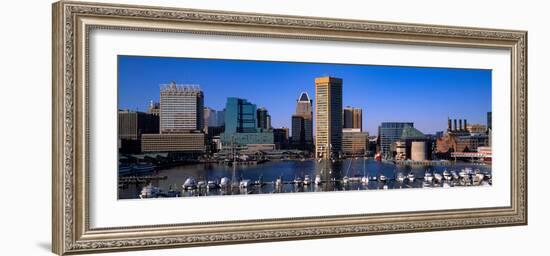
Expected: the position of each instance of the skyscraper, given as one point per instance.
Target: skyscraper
(304, 106)
(213, 118)
(241, 125)
(280, 137)
(181, 121)
(263, 118)
(181, 108)
(489, 120)
(302, 123)
(388, 133)
(328, 116)
(353, 118)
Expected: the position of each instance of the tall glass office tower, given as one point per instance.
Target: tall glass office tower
(241, 125)
(328, 116)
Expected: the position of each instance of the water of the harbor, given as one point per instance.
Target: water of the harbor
(331, 173)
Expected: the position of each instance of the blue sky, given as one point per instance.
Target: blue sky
(425, 96)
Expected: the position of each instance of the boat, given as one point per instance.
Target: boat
(447, 175)
(355, 179)
(455, 175)
(400, 177)
(345, 180)
(125, 170)
(212, 184)
(171, 193)
(245, 184)
(189, 184)
(279, 182)
(298, 181)
(225, 182)
(478, 177)
(463, 175)
(201, 184)
(149, 191)
(382, 178)
(411, 177)
(259, 181)
(438, 177)
(307, 180)
(318, 180)
(428, 176)
(142, 168)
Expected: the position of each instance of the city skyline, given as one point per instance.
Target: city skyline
(427, 95)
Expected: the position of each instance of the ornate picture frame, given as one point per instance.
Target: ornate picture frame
(72, 23)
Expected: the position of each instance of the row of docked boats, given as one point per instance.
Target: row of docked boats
(464, 177)
(135, 169)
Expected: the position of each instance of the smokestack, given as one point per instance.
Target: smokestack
(449, 126)
(455, 128)
(465, 124)
(460, 124)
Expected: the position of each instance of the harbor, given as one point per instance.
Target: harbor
(294, 176)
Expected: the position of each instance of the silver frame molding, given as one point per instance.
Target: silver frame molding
(72, 22)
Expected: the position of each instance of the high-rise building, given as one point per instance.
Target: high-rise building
(328, 116)
(241, 125)
(212, 118)
(181, 108)
(388, 133)
(489, 120)
(304, 106)
(154, 108)
(220, 117)
(280, 137)
(353, 118)
(131, 125)
(263, 118)
(354, 142)
(209, 117)
(302, 123)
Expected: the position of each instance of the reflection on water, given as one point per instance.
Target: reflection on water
(298, 176)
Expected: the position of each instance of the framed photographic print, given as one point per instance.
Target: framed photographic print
(179, 127)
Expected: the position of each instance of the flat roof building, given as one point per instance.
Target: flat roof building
(353, 118)
(181, 108)
(241, 125)
(173, 142)
(354, 142)
(328, 116)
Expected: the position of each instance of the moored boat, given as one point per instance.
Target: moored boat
(400, 177)
(411, 177)
(149, 191)
(307, 180)
(318, 180)
(189, 184)
(225, 182)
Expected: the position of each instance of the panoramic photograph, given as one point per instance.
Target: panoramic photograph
(191, 127)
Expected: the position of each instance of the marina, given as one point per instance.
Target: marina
(293, 176)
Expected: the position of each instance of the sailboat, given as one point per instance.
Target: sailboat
(365, 178)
